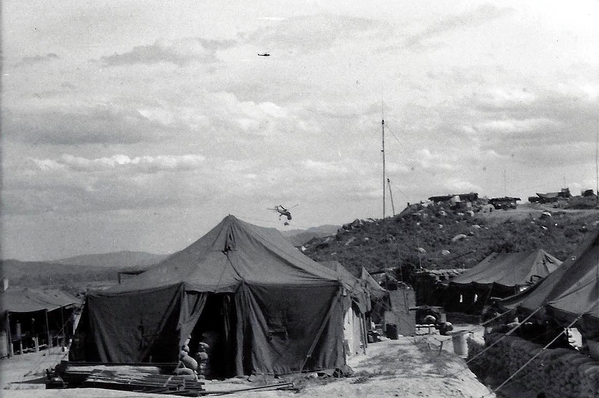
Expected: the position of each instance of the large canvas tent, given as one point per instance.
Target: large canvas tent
(569, 293)
(498, 275)
(31, 318)
(272, 309)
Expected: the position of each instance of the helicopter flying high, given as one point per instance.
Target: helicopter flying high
(283, 212)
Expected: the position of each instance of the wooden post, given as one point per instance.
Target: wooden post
(9, 336)
(49, 341)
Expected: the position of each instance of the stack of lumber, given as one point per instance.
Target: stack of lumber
(144, 382)
(559, 373)
(129, 377)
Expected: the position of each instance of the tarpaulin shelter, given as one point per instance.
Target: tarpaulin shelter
(379, 297)
(571, 292)
(268, 308)
(498, 275)
(355, 323)
(35, 317)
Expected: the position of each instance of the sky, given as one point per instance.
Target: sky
(139, 125)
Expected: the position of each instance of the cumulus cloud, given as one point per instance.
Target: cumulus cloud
(146, 164)
(542, 121)
(178, 52)
(78, 184)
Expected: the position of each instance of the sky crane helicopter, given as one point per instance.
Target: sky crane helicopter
(283, 212)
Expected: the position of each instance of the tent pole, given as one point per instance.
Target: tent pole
(10, 351)
(49, 341)
(364, 332)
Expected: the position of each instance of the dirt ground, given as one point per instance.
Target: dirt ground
(424, 365)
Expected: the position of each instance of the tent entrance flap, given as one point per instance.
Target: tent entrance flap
(216, 328)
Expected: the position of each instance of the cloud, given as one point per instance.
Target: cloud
(27, 61)
(311, 33)
(479, 16)
(541, 120)
(94, 125)
(457, 22)
(178, 52)
(75, 184)
(145, 164)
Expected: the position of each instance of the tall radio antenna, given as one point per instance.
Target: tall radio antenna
(383, 151)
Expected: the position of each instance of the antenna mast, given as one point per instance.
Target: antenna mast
(391, 196)
(384, 179)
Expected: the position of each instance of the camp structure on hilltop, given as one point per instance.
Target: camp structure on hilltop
(499, 275)
(261, 305)
(33, 319)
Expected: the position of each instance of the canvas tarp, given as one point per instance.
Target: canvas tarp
(498, 275)
(356, 288)
(372, 285)
(19, 300)
(355, 328)
(570, 292)
(509, 270)
(288, 309)
(29, 313)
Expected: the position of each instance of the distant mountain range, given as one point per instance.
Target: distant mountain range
(298, 237)
(123, 259)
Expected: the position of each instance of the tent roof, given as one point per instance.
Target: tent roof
(577, 291)
(346, 277)
(31, 300)
(554, 284)
(510, 269)
(232, 253)
(569, 292)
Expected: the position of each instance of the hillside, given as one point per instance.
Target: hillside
(436, 237)
(429, 237)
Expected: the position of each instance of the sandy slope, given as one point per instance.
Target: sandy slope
(408, 367)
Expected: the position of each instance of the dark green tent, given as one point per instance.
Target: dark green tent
(569, 293)
(273, 309)
(498, 275)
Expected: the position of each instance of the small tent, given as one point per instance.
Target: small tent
(498, 275)
(34, 318)
(266, 308)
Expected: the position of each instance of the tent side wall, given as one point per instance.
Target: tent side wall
(354, 328)
(134, 327)
(289, 329)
